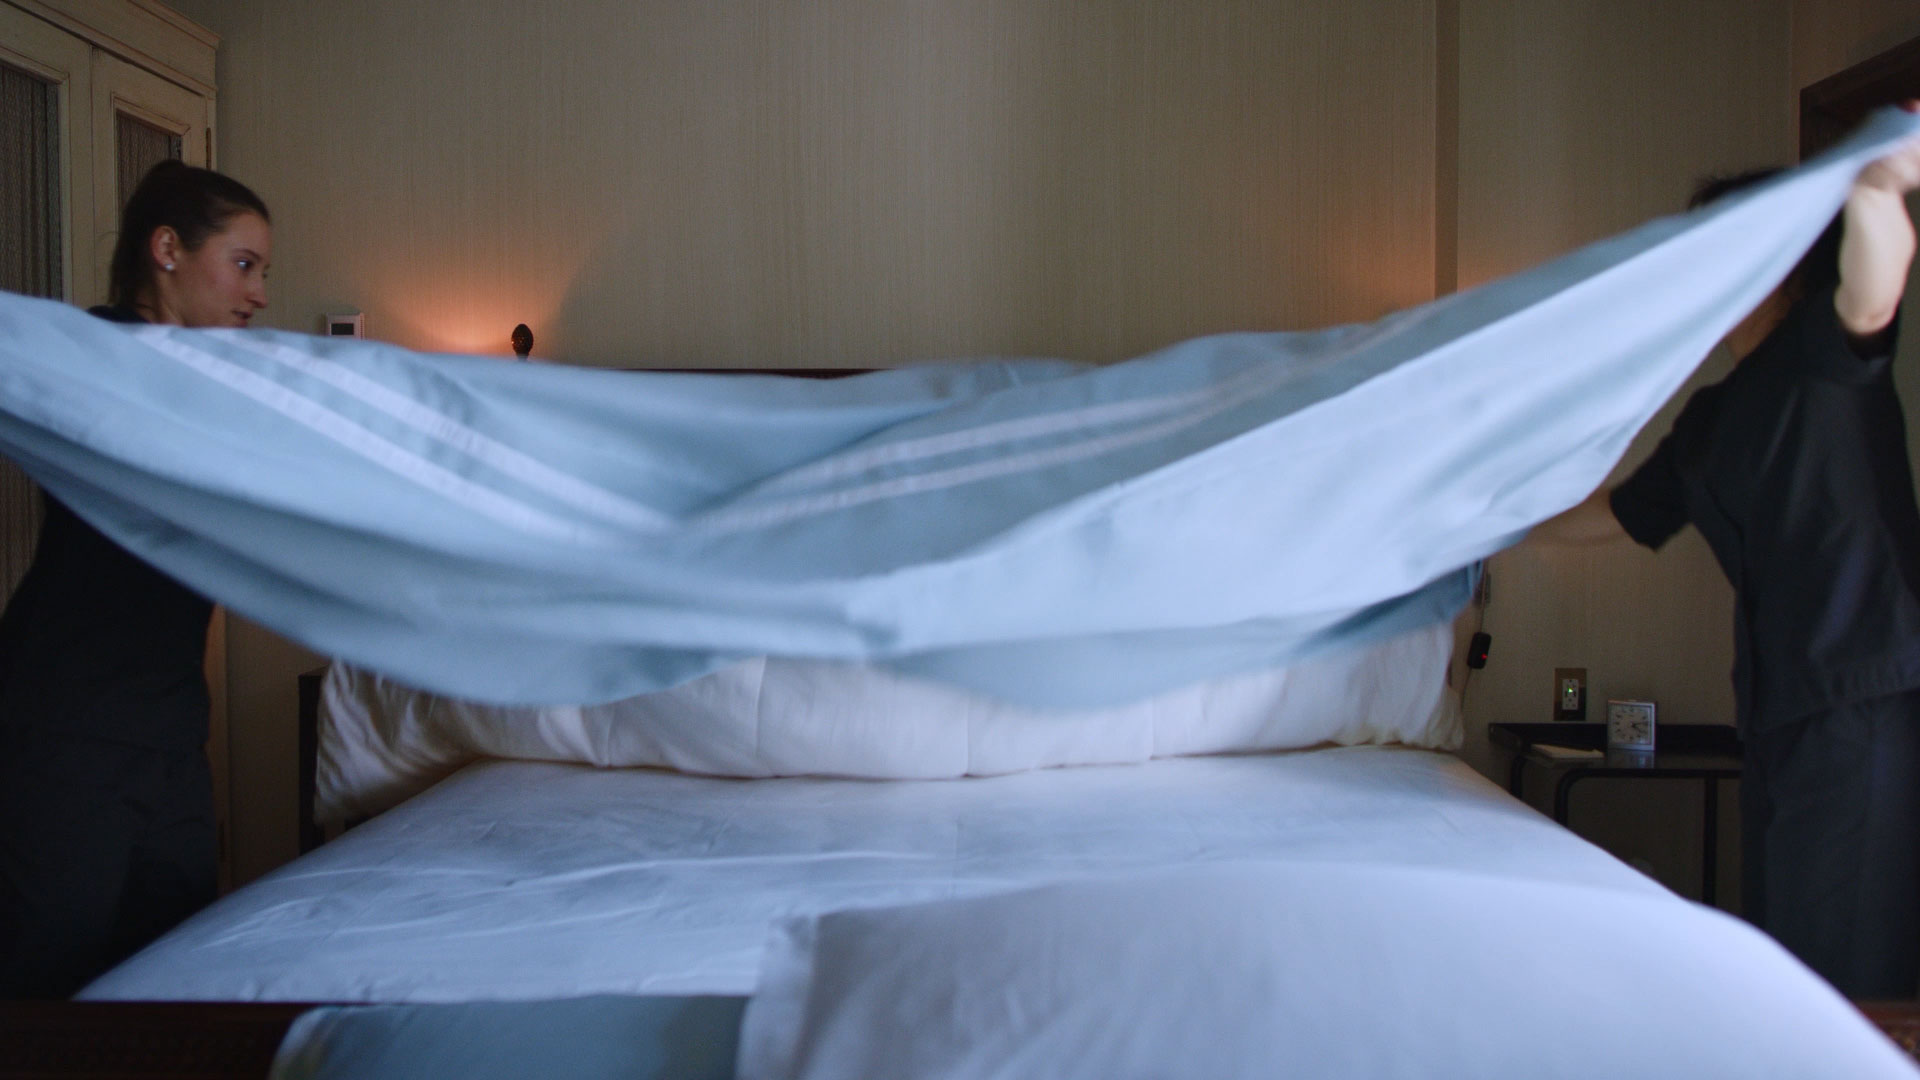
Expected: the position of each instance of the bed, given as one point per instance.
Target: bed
(570, 918)
(772, 787)
(538, 880)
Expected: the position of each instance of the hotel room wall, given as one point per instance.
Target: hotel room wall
(1577, 120)
(854, 183)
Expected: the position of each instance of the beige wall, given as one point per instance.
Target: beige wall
(857, 183)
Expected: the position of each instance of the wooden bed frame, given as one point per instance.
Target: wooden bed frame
(181, 1040)
(176, 1040)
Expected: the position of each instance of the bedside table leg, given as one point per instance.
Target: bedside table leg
(1710, 843)
(1563, 792)
(1516, 773)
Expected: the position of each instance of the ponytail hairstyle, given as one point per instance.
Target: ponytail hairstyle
(194, 202)
(1818, 269)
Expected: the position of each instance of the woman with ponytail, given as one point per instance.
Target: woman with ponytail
(106, 806)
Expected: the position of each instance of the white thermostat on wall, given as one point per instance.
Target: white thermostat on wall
(353, 326)
(1630, 725)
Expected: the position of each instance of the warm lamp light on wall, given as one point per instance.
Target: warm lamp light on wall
(522, 339)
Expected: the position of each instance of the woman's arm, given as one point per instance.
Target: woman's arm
(1877, 247)
(1591, 522)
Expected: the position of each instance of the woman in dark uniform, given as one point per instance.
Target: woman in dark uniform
(106, 801)
(1794, 469)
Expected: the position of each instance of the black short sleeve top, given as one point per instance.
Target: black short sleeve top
(1794, 469)
(97, 644)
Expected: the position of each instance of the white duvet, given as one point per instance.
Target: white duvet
(381, 742)
(524, 880)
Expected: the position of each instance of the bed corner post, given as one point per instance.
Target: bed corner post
(310, 835)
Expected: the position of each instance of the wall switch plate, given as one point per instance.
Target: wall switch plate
(1570, 693)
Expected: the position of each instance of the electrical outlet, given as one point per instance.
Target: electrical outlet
(1570, 693)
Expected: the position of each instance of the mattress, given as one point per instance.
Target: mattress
(525, 880)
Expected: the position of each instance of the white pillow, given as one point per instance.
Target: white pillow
(381, 742)
(1347, 971)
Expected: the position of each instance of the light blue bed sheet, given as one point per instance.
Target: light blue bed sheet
(1039, 531)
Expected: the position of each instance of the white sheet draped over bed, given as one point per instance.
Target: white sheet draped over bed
(1038, 531)
(524, 880)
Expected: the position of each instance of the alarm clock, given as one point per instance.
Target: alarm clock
(1630, 725)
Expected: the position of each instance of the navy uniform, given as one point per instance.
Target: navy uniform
(1794, 469)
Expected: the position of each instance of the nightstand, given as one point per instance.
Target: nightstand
(1709, 753)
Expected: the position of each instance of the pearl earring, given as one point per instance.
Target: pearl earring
(169, 268)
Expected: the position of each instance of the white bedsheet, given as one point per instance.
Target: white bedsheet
(533, 880)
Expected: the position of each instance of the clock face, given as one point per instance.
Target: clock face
(1630, 723)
